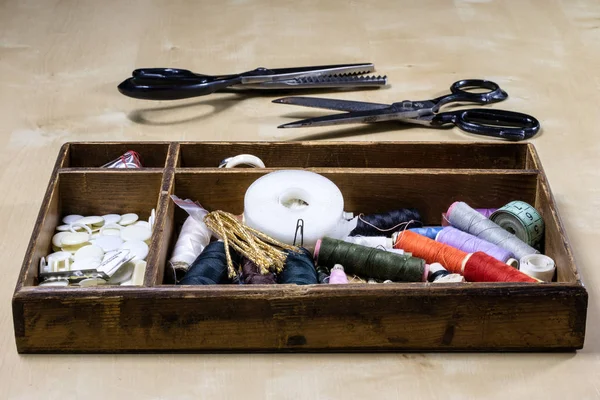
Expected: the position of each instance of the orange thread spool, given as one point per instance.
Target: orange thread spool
(431, 251)
(481, 267)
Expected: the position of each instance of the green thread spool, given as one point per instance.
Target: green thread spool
(369, 262)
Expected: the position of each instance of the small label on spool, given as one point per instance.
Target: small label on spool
(522, 220)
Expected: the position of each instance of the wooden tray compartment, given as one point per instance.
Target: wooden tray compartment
(358, 155)
(96, 154)
(162, 317)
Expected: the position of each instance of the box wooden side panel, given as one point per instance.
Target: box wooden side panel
(361, 154)
(397, 317)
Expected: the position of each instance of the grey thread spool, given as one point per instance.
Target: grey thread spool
(465, 218)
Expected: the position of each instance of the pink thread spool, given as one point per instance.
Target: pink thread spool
(338, 276)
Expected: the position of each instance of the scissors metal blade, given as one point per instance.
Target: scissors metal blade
(331, 104)
(320, 70)
(386, 114)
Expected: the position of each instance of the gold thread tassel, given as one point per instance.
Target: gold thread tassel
(261, 249)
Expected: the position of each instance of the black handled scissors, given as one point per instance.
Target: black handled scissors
(174, 84)
(507, 125)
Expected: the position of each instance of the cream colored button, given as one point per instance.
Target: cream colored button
(59, 282)
(136, 247)
(69, 219)
(136, 232)
(123, 274)
(85, 263)
(111, 230)
(59, 261)
(152, 219)
(108, 243)
(93, 220)
(137, 279)
(128, 219)
(57, 239)
(64, 228)
(90, 251)
(145, 224)
(92, 282)
(111, 218)
(74, 239)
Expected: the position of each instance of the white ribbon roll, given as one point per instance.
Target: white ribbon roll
(538, 266)
(274, 203)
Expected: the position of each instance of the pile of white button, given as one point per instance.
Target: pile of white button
(95, 250)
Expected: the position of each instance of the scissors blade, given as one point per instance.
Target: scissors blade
(276, 74)
(386, 114)
(331, 104)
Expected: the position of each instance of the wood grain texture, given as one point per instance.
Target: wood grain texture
(359, 155)
(395, 317)
(60, 63)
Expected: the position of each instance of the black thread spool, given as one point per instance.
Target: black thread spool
(210, 267)
(251, 274)
(385, 224)
(299, 268)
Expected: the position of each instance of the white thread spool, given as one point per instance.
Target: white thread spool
(538, 266)
(274, 203)
(192, 240)
(371, 241)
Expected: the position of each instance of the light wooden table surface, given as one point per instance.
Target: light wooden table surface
(60, 63)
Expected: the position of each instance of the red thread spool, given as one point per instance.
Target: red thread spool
(478, 266)
(481, 267)
(431, 251)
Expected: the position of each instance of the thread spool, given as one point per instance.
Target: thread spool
(210, 268)
(522, 220)
(338, 276)
(371, 241)
(428, 231)
(299, 268)
(484, 268)
(486, 212)
(470, 244)
(275, 202)
(439, 274)
(385, 224)
(369, 262)
(465, 218)
(538, 266)
(193, 239)
(251, 274)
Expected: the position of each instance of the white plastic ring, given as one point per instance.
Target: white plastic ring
(242, 159)
(110, 226)
(84, 226)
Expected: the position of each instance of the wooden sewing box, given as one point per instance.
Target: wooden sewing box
(373, 177)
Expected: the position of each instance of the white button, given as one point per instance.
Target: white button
(108, 243)
(61, 282)
(128, 219)
(136, 247)
(145, 224)
(90, 251)
(85, 263)
(74, 239)
(69, 219)
(79, 226)
(65, 228)
(111, 218)
(92, 282)
(57, 239)
(59, 261)
(136, 232)
(93, 220)
(122, 274)
(111, 230)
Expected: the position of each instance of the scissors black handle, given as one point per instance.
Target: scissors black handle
(497, 123)
(507, 125)
(173, 84)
